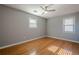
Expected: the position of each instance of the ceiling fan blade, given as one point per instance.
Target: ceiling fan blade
(42, 8)
(46, 7)
(51, 10)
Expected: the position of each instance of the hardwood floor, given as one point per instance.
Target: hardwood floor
(43, 46)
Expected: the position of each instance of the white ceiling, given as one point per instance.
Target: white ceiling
(61, 9)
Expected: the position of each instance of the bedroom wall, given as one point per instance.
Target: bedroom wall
(15, 26)
(0, 25)
(55, 27)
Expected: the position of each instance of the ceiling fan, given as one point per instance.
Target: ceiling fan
(46, 9)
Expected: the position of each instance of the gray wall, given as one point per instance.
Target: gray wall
(1, 25)
(55, 27)
(15, 26)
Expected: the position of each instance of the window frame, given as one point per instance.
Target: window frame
(30, 23)
(73, 17)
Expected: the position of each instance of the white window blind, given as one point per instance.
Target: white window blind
(32, 23)
(69, 24)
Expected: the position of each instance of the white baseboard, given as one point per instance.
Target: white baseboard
(20, 42)
(64, 39)
(35, 39)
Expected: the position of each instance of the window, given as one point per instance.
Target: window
(69, 24)
(32, 23)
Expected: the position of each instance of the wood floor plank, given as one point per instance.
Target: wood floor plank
(43, 46)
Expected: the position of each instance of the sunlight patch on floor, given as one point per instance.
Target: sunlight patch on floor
(53, 48)
(33, 51)
(65, 52)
